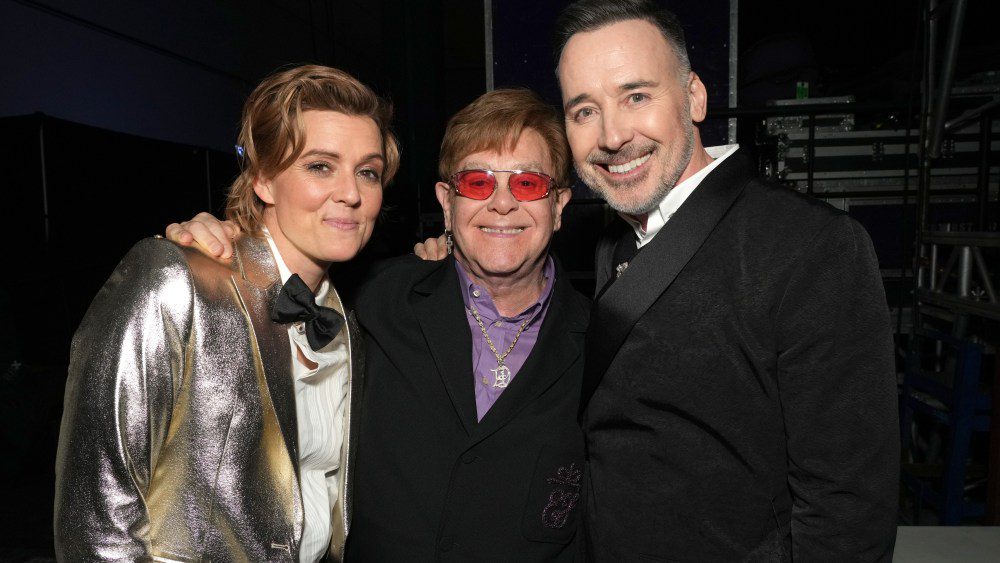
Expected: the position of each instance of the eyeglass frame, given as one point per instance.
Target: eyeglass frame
(453, 180)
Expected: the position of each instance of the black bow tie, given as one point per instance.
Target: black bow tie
(296, 303)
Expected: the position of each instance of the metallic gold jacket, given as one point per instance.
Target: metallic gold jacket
(179, 436)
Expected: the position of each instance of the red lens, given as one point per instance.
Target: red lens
(529, 186)
(475, 184)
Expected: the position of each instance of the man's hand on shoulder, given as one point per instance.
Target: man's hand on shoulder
(213, 236)
(432, 248)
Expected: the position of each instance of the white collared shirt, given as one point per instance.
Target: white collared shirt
(320, 400)
(670, 203)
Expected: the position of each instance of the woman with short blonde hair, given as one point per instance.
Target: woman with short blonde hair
(209, 403)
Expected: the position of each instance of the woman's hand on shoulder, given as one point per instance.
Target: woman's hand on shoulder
(213, 236)
(432, 248)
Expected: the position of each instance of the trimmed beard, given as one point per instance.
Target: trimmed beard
(667, 181)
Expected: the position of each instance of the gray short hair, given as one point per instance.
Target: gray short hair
(589, 15)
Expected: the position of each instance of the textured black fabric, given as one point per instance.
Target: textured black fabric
(296, 303)
(435, 484)
(624, 251)
(739, 395)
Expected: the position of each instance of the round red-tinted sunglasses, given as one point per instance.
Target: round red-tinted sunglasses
(523, 185)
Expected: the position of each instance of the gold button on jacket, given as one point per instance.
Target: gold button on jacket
(178, 438)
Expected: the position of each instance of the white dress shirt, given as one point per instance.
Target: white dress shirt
(675, 197)
(320, 400)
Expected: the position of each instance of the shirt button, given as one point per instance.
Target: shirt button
(476, 293)
(446, 543)
(498, 323)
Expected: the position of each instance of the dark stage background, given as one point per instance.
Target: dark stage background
(117, 118)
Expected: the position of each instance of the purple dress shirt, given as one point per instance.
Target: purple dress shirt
(502, 331)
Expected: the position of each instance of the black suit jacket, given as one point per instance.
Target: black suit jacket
(739, 395)
(435, 484)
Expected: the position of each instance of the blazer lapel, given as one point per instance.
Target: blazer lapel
(604, 255)
(652, 271)
(440, 312)
(559, 344)
(355, 396)
(341, 519)
(258, 286)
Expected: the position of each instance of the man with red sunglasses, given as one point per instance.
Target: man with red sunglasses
(469, 447)
(739, 397)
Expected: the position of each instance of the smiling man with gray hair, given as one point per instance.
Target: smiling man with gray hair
(739, 390)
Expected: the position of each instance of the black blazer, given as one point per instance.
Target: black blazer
(435, 484)
(739, 399)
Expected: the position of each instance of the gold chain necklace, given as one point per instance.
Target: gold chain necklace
(501, 374)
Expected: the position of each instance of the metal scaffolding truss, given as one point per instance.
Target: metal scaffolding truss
(964, 284)
(954, 297)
